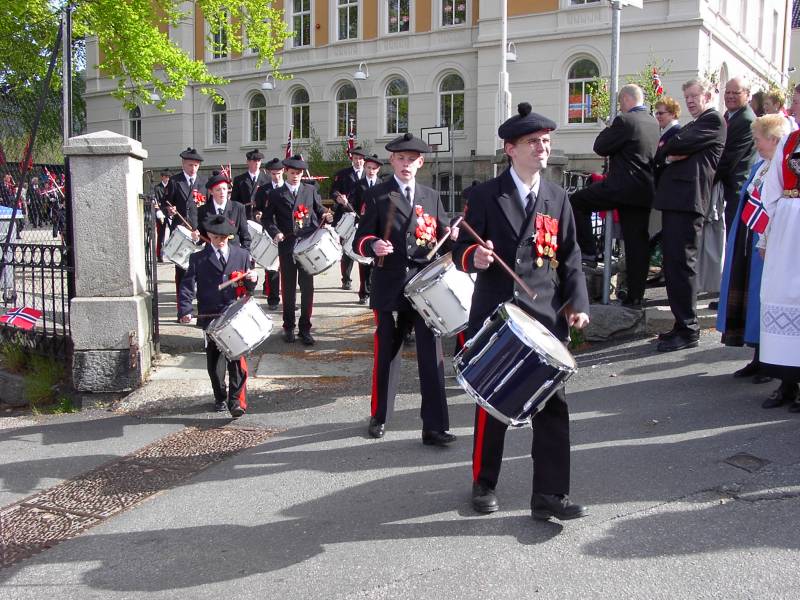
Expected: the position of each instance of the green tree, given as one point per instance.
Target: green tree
(599, 87)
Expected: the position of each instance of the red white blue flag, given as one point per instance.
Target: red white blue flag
(753, 213)
(351, 140)
(23, 318)
(289, 145)
(657, 87)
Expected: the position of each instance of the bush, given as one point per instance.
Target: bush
(14, 355)
(42, 381)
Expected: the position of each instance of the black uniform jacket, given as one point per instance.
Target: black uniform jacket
(278, 215)
(345, 182)
(261, 197)
(630, 145)
(244, 191)
(496, 214)
(236, 215)
(180, 196)
(659, 158)
(685, 185)
(206, 272)
(408, 258)
(738, 155)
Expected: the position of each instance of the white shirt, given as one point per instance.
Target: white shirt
(217, 207)
(294, 190)
(522, 188)
(253, 175)
(371, 182)
(276, 184)
(188, 179)
(225, 251)
(412, 184)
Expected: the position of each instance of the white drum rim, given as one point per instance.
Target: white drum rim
(516, 315)
(416, 279)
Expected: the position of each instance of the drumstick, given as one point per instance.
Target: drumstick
(500, 261)
(233, 280)
(187, 224)
(438, 245)
(389, 222)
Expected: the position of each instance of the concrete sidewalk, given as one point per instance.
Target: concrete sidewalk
(694, 489)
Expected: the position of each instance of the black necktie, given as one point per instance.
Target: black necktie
(222, 260)
(220, 211)
(371, 184)
(191, 181)
(408, 195)
(530, 200)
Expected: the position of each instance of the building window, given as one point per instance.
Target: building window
(579, 98)
(219, 40)
(300, 115)
(348, 20)
(258, 118)
(399, 16)
(345, 110)
(582, 2)
(454, 12)
(451, 102)
(135, 116)
(397, 106)
(301, 22)
(219, 124)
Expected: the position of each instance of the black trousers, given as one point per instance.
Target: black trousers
(160, 230)
(549, 450)
(179, 275)
(680, 237)
(635, 221)
(389, 333)
(272, 287)
(364, 273)
(291, 275)
(217, 365)
(346, 268)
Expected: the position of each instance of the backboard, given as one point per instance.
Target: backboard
(438, 138)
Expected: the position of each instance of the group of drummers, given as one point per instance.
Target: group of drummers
(506, 278)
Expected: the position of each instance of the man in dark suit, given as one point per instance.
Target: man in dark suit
(179, 201)
(398, 206)
(272, 279)
(683, 196)
(286, 227)
(630, 144)
(504, 212)
(207, 269)
(740, 151)
(246, 184)
(217, 203)
(342, 191)
(159, 191)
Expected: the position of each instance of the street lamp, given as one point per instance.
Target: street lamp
(362, 72)
(511, 52)
(269, 83)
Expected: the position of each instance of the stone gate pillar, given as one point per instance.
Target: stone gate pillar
(110, 316)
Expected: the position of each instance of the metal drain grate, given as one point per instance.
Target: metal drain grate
(67, 509)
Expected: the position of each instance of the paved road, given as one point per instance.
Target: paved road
(321, 511)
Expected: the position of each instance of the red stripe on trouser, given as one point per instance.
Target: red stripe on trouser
(243, 392)
(267, 288)
(460, 338)
(477, 452)
(374, 404)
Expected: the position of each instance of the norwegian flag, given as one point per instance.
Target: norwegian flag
(23, 168)
(351, 140)
(657, 87)
(53, 180)
(22, 318)
(753, 214)
(289, 145)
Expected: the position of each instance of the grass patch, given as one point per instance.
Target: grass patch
(13, 354)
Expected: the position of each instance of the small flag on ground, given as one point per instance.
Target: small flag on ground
(23, 318)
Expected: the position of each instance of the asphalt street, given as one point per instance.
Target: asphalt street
(693, 488)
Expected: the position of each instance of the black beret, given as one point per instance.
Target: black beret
(254, 155)
(407, 142)
(274, 165)
(219, 225)
(191, 154)
(295, 162)
(166, 173)
(216, 178)
(523, 123)
(358, 150)
(373, 158)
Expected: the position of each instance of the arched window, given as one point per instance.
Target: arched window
(135, 123)
(397, 106)
(300, 114)
(579, 98)
(258, 118)
(451, 102)
(346, 110)
(219, 124)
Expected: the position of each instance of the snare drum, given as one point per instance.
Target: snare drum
(442, 295)
(318, 252)
(263, 250)
(240, 329)
(513, 365)
(346, 227)
(347, 248)
(179, 247)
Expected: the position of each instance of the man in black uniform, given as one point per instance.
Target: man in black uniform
(630, 145)
(159, 192)
(217, 203)
(404, 208)
(342, 191)
(207, 269)
(503, 212)
(272, 279)
(293, 212)
(246, 184)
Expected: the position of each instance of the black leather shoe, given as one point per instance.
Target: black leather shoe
(237, 411)
(783, 395)
(346, 285)
(759, 379)
(220, 406)
(667, 335)
(678, 342)
(748, 370)
(362, 301)
(545, 506)
(713, 305)
(376, 429)
(307, 338)
(484, 499)
(408, 340)
(437, 438)
(288, 336)
(633, 303)
(273, 306)
(795, 407)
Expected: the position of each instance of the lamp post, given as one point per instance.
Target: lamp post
(362, 71)
(66, 73)
(503, 105)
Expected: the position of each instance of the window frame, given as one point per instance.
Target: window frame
(291, 14)
(219, 112)
(135, 123)
(305, 115)
(386, 15)
(398, 98)
(210, 50)
(583, 81)
(261, 114)
(441, 10)
(349, 4)
(440, 94)
(346, 102)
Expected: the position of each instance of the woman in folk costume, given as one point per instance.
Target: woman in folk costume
(780, 282)
(739, 307)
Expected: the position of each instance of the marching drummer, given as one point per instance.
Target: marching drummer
(272, 279)
(342, 191)
(245, 185)
(372, 166)
(216, 263)
(293, 212)
(218, 203)
(528, 222)
(401, 224)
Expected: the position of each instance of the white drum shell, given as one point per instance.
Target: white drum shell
(318, 252)
(179, 247)
(346, 227)
(240, 329)
(347, 248)
(263, 250)
(442, 295)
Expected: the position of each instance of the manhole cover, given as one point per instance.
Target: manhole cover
(745, 461)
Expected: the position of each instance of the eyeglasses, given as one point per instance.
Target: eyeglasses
(545, 141)
(658, 113)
